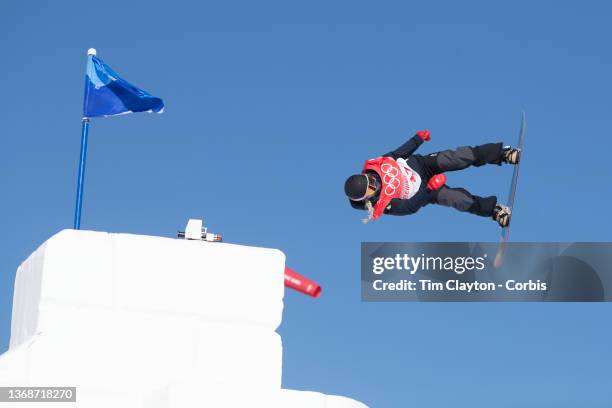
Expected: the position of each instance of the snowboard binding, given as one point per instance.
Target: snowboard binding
(502, 215)
(511, 155)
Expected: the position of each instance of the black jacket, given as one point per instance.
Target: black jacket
(422, 196)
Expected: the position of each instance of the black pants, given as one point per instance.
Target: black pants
(459, 159)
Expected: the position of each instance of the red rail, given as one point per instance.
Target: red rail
(300, 283)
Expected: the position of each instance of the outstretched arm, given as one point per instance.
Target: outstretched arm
(408, 148)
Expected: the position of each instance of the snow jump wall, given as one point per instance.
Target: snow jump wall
(141, 321)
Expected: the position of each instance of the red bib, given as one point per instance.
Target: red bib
(394, 183)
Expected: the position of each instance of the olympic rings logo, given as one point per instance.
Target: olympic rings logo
(390, 178)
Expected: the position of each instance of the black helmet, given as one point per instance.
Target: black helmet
(356, 186)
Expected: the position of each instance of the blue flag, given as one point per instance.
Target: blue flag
(107, 94)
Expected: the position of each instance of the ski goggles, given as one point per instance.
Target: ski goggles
(372, 186)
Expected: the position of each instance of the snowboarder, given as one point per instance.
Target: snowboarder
(400, 182)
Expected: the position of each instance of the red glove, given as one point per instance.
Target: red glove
(436, 182)
(424, 134)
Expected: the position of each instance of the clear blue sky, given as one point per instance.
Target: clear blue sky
(269, 106)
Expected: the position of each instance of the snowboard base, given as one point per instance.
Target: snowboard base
(505, 234)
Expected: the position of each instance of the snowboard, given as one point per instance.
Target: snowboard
(505, 233)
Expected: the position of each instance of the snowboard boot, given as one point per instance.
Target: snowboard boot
(502, 215)
(511, 155)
